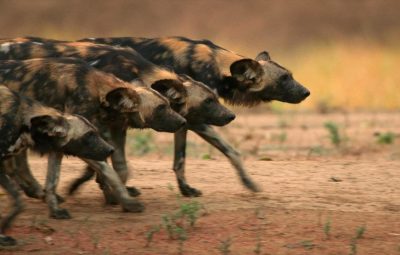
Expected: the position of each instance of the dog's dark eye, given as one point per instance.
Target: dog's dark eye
(91, 133)
(284, 77)
(161, 107)
(209, 100)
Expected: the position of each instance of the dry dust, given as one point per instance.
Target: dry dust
(310, 203)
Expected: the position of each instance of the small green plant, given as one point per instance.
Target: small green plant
(181, 233)
(353, 244)
(257, 249)
(225, 246)
(150, 234)
(280, 137)
(180, 246)
(353, 247)
(385, 138)
(317, 150)
(106, 251)
(95, 239)
(168, 225)
(182, 237)
(206, 156)
(334, 133)
(360, 232)
(190, 211)
(282, 123)
(177, 223)
(327, 228)
(260, 217)
(185, 216)
(307, 244)
(174, 229)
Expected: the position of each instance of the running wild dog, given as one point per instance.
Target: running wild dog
(193, 100)
(237, 79)
(27, 123)
(72, 86)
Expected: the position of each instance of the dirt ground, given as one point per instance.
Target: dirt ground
(317, 198)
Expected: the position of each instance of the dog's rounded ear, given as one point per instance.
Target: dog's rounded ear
(173, 90)
(50, 126)
(123, 100)
(263, 56)
(247, 72)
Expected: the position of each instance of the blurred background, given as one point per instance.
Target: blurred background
(346, 52)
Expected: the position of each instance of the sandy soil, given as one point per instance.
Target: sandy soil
(310, 203)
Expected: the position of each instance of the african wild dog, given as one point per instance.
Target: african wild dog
(235, 78)
(196, 102)
(72, 86)
(27, 123)
(203, 107)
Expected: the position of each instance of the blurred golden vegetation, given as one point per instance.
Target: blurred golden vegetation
(348, 76)
(346, 52)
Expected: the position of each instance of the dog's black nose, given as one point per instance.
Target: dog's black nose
(306, 93)
(232, 117)
(183, 123)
